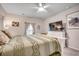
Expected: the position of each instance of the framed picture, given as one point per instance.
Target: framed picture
(56, 26)
(73, 20)
(15, 24)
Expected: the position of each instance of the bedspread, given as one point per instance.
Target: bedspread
(31, 45)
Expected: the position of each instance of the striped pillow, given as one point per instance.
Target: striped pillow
(3, 38)
(7, 34)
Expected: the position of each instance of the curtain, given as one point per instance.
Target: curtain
(26, 27)
(33, 25)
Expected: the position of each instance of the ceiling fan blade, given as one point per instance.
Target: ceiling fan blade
(46, 6)
(35, 7)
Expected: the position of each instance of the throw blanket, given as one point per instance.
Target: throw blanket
(32, 45)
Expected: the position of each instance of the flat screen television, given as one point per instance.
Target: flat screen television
(56, 26)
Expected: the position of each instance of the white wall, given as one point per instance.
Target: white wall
(2, 13)
(1, 22)
(74, 40)
(9, 18)
(6, 19)
(60, 16)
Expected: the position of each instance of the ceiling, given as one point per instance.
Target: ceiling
(27, 10)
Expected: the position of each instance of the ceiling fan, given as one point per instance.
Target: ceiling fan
(41, 7)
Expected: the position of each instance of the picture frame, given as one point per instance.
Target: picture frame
(73, 20)
(56, 26)
(15, 24)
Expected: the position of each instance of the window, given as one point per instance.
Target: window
(30, 30)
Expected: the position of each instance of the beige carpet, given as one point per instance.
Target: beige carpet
(70, 52)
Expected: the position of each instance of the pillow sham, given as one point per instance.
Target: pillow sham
(7, 33)
(3, 38)
(2, 41)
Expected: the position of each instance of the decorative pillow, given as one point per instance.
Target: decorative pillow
(2, 41)
(7, 33)
(3, 38)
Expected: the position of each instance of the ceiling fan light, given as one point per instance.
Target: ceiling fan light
(41, 9)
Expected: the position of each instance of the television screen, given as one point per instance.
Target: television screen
(56, 26)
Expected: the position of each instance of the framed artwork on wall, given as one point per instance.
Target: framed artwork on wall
(73, 20)
(15, 24)
(56, 26)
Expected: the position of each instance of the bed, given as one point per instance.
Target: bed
(31, 45)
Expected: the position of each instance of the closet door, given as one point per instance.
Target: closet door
(73, 38)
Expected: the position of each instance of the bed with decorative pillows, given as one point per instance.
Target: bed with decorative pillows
(31, 45)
